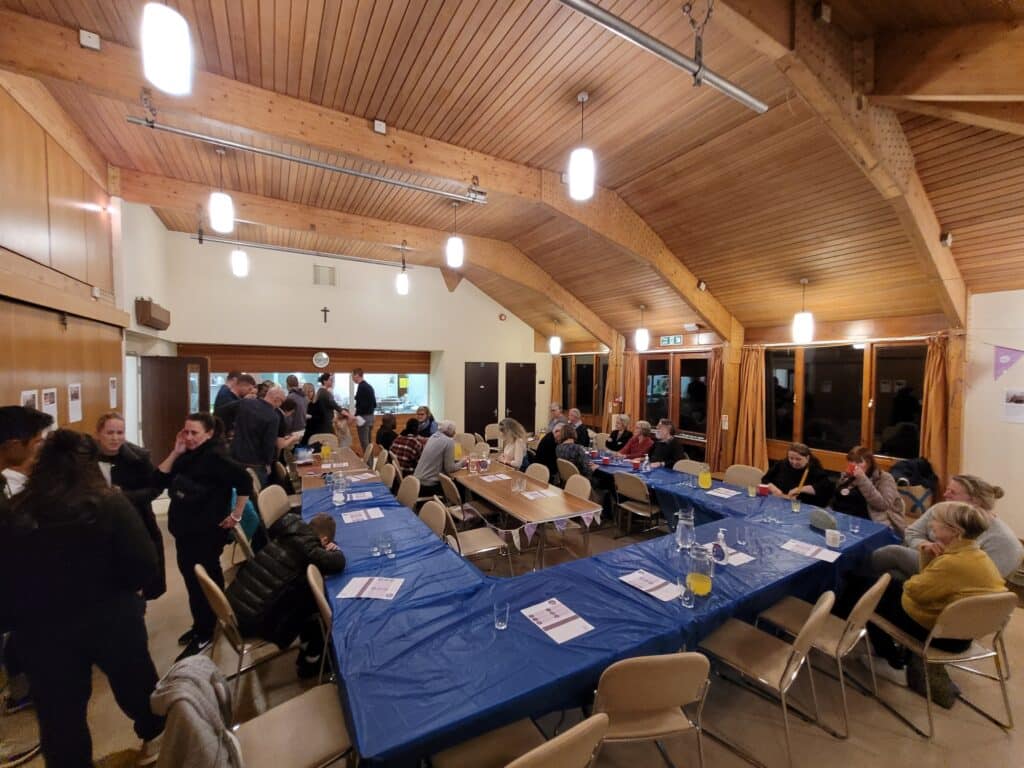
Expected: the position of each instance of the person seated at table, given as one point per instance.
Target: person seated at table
(557, 417)
(572, 451)
(425, 419)
(799, 475)
(513, 443)
(545, 453)
(641, 441)
(387, 434)
(408, 446)
(665, 451)
(438, 457)
(271, 596)
(620, 435)
(1000, 543)
(962, 570)
(865, 490)
(576, 422)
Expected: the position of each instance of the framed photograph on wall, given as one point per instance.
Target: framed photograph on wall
(30, 398)
(74, 403)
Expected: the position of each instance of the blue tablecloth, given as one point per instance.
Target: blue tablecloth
(428, 669)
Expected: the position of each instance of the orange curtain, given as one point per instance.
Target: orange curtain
(751, 446)
(632, 385)
(556, 380)
(935, 406)
(612, 384)
(716, 371)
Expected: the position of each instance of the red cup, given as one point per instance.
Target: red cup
(763, 490)
(593, 454)
(606, 460)
(636, 463)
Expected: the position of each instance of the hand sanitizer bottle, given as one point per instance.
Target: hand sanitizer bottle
(719, 549)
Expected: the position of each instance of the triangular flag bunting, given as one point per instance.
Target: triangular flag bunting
(1005, 358)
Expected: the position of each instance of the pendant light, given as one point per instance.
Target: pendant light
(642, 337)
(402, 278)
(454, 250)
(803, 321)
(581, 162)
(166, 49)
(239, 263)
(222, 208)
(555, 341)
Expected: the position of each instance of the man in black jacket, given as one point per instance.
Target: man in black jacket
(366, 404)
(271, 596)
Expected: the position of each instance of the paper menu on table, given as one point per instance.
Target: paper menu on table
(364, 476)
(557, 620)
(723, 493)
(373, 587)
(811, 550)
(652, 585)
(335, 465)
(493, 478)
(732, 556)
(361, 515)
(535, 495)
(360, 496)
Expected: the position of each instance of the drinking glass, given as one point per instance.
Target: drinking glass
(387, 546)
(484, 462)
(741, 535)
(685, 593)
(751, 491)
(685, 534)
(700, 572)
(375, 546)
(794, 505)
(854, 525)
(501, 615)
(518, 484)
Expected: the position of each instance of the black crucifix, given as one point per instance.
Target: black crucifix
(325, 310)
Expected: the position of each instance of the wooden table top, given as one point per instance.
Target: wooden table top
(341, 456)
(559, 506)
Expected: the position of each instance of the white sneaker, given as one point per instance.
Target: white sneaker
(150, 751)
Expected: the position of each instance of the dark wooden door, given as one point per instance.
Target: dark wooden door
(171, 388)
(521, 393)
(481, 396)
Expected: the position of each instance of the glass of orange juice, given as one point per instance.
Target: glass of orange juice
(325, 452)
(700, 571)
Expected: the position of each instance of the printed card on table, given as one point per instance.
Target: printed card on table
(364, 476)
(557, 620)
(372, 587)
(723, 493)
(732, 556)
(652, 585)
(362, 515)
(360, 496)
(536, 495)
(811, 550)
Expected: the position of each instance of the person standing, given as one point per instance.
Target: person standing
(322, 409)
(236, 386)
(128, 468)
(297, 418)
(226, 409)
(77, 550)
(260, 433)
(200, 478)
(366, 404)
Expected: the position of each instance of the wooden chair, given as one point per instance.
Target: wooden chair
(408, 491)
(538, 472)
(690, 467)
(644, 698)
(522, 745)
(325, 438)
(566, 469)
(743, 475)
(469, 544)
(633, 497)
(319, 590)
(273, 504)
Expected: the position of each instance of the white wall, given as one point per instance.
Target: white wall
(277, 304)
(143, 248)
(994, 448)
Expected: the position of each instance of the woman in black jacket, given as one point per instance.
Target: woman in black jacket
(620, 435)
(783, 478)
(75, 556)
(127, 467)
(199, 477)
(322, 409)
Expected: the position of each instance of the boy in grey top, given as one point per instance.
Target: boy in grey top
(438, 457)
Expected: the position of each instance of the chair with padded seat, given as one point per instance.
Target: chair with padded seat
(743, 475)
(771, 663)
(408, 491)
(482, 448)
(273, 504)
(467, 442)
(493, 432)
(538, 472)
(522, 745)
(644, 698)
(462, 511)
(257, 486)
(388, 476)
(689, 466)
(316, 585)
(633, 497)
(566, 469)
(600, 441)
(469, 544)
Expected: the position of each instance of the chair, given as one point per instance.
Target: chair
(467, 442)
(483, 448)
(273, 504)
(256, 484)
(479, 438)
(242, 542)
(644, 698)
(578, 485)
(838, 638)
(538, 472)
(970, 618)
(458, 509)
(325, 438)
(691, 467)
(370, 455)
(317, 587)
(227, 626)
(601, 440)
(743, 475)
(522, 745)
(388, 475)
(479, 541)
(492, 432)
(566, 469)
(309, 482)
(408, 491)
(637, 499)
(767, 660)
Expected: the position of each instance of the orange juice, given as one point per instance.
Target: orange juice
(699, 584)
(458, 451)
(704, 479)
(325, 452)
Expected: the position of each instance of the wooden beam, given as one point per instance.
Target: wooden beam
(451, 278)
(1007, 117)
(48, 50)
(854, 330)
(973, 62)
(426, 245)
(821, 61)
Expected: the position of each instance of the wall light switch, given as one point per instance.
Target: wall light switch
(725, 421)
(379, 126)
(89, 40)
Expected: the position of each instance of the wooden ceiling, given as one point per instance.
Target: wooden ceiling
(749, 203)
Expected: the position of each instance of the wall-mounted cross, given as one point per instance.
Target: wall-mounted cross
(325, 310)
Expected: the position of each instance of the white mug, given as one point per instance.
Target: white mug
(834, 538)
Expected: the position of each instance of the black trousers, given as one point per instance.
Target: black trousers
(202, 549)
(891, 607)
(59, 664)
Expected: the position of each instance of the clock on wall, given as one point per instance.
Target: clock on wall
(321, 360)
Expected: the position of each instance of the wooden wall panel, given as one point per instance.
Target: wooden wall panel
(43, 353)
(23, 208)
(66, 183)
(99, 264)
(228, 357)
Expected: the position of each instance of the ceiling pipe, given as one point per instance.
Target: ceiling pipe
(638, 37)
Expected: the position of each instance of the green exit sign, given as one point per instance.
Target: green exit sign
(668, 341)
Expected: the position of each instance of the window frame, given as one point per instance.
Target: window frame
(599, 362)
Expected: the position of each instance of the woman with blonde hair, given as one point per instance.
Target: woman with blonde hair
(640, 443)
(620, 435)
(998, 541)
(513, 443)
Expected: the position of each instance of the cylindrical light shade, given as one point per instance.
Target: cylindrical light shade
(222, 212)
(239, 263)
(642, 339)
(454, 251)
(581, 174)
(803, 328)
(402, 283)
(166, 49)
(555, 345)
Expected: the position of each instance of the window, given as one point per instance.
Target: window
(657, 382)
(583, 378)
(584, 385)
(779, 390)
(566, 382)
(396, 392)
(898, 388)
(693, 394)
(833, 389)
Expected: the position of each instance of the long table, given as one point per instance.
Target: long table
(428, 669)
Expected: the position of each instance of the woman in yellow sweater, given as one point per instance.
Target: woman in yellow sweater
(962, 570)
